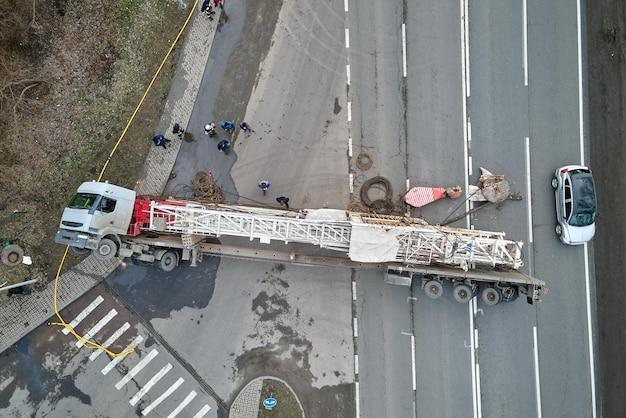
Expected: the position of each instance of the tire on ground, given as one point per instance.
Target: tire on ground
(12, 255)
(462, 293)
(491, 296)
(107, 249)
(433, 289)
(168, 261)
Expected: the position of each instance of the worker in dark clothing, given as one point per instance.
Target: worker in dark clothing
(160, 141)
(223, 146)
(178, 130)
(264, 185)
(207, 9)
(283, 201)
(245, 127)
(228, 126)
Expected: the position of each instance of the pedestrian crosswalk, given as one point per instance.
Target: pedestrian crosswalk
(139, 363)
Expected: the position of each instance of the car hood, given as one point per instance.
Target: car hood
(576, 235)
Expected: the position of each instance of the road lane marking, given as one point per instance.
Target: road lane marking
(464, 105)
(476, 338)
(355, 327)
(473, 356)
(467, 46)
(89, 309)
(350, 147)
(348, 73)
(353, 290)
(471, 165)
(413, 362)
(138, 367)
(592, 368)
(163, 396)
(356, 364)
(183, 404)
(153, 381)
(404, 49)
(351, 180)
(96, 328)
(110, 340)
(202, 412)
(528, 194)
(117, 360)
(480, 406)
(345, 6)
(469, 132)
(537, 382)
(347, 38)
(525, 37)
(349, 111)
(357, 396)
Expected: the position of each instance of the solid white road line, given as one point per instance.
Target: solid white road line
(581, 133)
(355, 327)
(525, 38)
(404, 49)
(163, 396)
(537, 382)
(349, 111)
(348, 73)
(473, 356)
(117, 360)
(528, 194)
(592, 368)
(183, 404)
(467, 46)
(480, 406)
(345, 6)
(97, 301)
(110, 340)
(153, 381)
(138, 367)
(353, 290)
(202, 412)
(356, 364)
(96, 328)
(413, 362)
(347, 38)
(464, 104)
(357, 396)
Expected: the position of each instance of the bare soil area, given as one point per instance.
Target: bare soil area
(607, 111)
(71, 73)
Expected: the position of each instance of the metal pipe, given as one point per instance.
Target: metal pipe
(12, 286)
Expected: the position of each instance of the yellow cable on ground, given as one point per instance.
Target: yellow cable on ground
(89, 343)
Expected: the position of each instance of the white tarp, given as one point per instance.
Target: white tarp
(374, 243)
(326, 215)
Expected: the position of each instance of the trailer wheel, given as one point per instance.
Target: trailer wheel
(491, 296)
(433, 289)
(107, 249)
(169, 261)
(462, 293)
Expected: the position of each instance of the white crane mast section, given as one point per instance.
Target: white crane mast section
(363, 237)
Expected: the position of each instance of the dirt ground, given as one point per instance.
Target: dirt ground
(71, 72)
(607, 123)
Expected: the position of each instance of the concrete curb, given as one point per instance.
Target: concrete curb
(19, 315)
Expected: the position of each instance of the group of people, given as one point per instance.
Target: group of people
(264, 185)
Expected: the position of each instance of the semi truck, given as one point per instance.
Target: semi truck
(111, 221)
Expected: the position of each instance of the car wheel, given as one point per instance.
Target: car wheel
(555, 183)
(559, 230)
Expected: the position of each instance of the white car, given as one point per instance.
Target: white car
(575, 195)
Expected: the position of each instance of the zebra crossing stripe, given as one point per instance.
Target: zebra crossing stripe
(117, 360)
(183, 404)
(202, 412)
(138, 367)
(150, 383)
(110, 340)
(163, 396)
(89, 309)
(96, 328)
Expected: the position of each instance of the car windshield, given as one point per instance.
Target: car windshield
(584, 200)
(83, 201)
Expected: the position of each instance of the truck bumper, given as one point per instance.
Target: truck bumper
(76, 239)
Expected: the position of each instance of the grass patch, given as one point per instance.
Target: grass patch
(287, 406)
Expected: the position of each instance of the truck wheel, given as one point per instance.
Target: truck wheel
(509, 293)
(169, 261)
(433, 289)
(462, 293)
(491, 296)
(554, 183)
(107, 249)
(12, 255)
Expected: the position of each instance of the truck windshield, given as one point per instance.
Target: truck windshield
(83, 201)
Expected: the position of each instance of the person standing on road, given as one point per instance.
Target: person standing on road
(228, 126)
(209, 129)
(160, 140)
(245, 127)
(178, 130)
(223, 146)
(264, 185)
(283, 201)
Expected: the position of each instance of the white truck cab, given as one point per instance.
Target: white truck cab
(98, 213)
